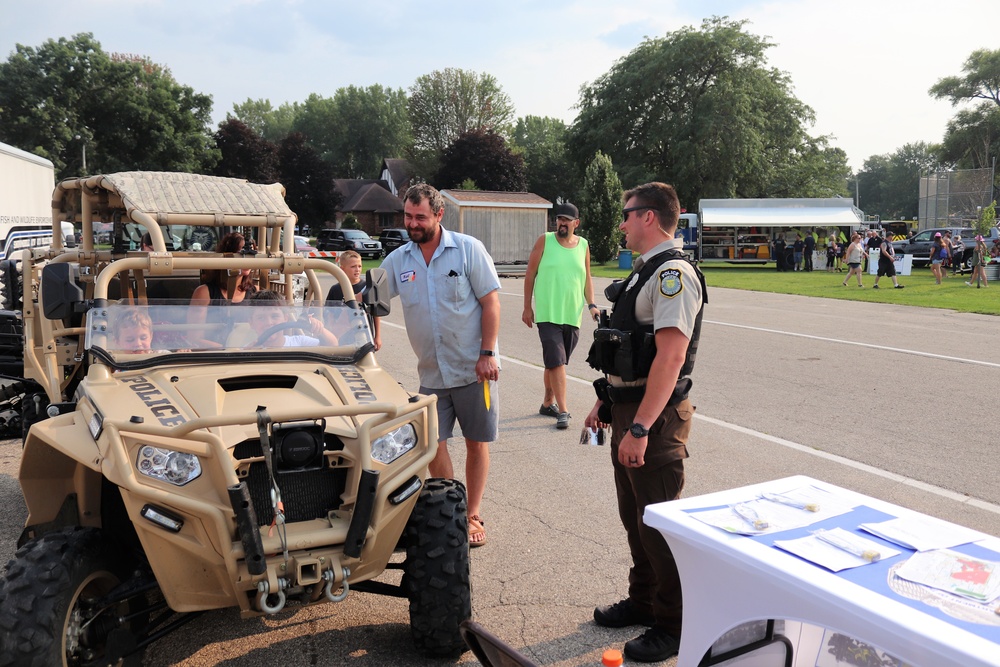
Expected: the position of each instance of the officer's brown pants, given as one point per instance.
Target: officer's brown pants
(654, 584)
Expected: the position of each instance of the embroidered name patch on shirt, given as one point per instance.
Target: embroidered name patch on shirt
(408, 276)
(671, 283)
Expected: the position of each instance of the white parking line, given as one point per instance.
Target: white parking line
(885, 474)
(872, 346)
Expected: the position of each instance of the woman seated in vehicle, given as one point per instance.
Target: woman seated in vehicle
(214, 291)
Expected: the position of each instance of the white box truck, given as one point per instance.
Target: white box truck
(26, 184)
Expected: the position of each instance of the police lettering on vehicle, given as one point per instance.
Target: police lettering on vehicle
(158, 404)
(671, 283)
(359, 387)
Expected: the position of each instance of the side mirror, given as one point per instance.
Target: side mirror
(61, 295)
(376, 292)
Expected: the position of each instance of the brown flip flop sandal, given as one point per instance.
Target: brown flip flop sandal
(476, 530)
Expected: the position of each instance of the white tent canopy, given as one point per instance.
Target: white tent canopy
(830, 212)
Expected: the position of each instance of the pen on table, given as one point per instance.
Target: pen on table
(791, 502)
(869, 555)
(750, 516)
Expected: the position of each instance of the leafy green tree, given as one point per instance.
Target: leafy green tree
(308, 181)
(372, 123)
(484, 157)
(601, 209)
(542, 143)
(273, 124)
(972, 138)
(245, 154)
(447, 103)
(987, 218)
(356, 128)
(127, 112)
(890, 184)
(699, 109)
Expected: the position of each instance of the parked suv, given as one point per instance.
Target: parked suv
(920, 245)
(393, 238)
(253, 457)
(349, 239)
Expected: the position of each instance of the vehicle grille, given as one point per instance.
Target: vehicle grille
(306, 494)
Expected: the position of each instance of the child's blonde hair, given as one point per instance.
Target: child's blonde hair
(128, 318)
(346, 255)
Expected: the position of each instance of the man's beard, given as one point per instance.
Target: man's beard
(421, 236)
(562, 231)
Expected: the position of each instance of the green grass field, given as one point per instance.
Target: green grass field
(920, 288)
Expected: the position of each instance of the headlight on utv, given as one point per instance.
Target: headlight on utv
(166, 465)
(392, 445)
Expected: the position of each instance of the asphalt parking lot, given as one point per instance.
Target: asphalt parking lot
(890, 401)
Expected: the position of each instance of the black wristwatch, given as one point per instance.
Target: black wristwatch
(486, 353)
(638, 430)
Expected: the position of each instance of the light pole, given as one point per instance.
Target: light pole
(78, 137)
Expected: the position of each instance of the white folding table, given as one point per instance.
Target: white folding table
(729, 579)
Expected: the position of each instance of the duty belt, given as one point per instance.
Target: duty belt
(634, 394)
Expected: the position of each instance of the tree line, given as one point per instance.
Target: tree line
(699, 108)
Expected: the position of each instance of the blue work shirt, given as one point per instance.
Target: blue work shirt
(441, 305)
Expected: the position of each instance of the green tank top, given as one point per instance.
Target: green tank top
(560, 282)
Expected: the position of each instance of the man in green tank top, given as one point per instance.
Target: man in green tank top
(558, 276)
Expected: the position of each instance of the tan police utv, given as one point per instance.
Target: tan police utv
(224, 465)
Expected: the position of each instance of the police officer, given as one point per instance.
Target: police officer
(646, 352)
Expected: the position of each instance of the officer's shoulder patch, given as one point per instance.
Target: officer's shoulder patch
(671, 283)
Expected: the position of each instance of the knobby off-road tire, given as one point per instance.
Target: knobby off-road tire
(436, 571)
(44, 598)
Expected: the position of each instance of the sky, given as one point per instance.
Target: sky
(864, 66)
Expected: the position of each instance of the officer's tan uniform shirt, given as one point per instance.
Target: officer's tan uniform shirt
(672, 297)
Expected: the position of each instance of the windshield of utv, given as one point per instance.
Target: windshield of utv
(130, 336)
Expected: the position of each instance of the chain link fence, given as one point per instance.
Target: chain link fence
(953, 198)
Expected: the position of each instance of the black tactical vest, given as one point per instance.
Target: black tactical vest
(625, 348)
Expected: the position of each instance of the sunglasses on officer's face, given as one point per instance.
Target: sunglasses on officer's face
(626, 211)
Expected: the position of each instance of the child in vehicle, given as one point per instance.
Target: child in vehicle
(350, 262)
(132, 331)
(266, 312)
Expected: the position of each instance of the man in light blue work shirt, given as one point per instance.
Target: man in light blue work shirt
(449, 289)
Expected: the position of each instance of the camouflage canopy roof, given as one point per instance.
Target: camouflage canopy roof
(158, 193)
(169, 192)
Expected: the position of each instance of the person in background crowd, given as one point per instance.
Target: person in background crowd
(832, 253)
(779, 253)
(939, 253)
(950, 245)
(978, 263)
(808, 247)
(797, 248)
(855, 253)
(957, 253)
(886, 263)
(558, 276)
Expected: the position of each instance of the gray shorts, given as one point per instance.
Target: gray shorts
(468, 405)
(558, 343)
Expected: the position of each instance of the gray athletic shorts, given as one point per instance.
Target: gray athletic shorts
(468, 405)
(558, 343)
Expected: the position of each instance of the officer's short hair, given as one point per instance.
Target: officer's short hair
(660, 197)
(421, 191)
